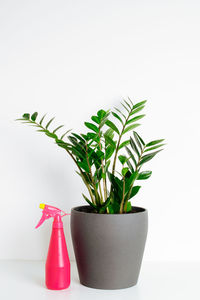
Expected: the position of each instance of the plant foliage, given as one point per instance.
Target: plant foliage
(97, 152)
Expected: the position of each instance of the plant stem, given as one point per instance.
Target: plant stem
(102, 166)
(90, 172)
(122, 202)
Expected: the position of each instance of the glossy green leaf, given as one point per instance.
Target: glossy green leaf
(112, 125)
(154, 142)
(91, 126)
(148, 157)
(134, 191)
(118, 117)
(138, 139)
(109, 132)
(122, 159)
(144, 175)
(34, 116)
(130, 128)
(130, 181)
(26, 116)
(125, 143)
(49, 123)
(135, 119)
(52, 135)
(128, 207)
(96, 119)
(134, 147)
(130, 165)
(110, 141)
(83, 165)
(124, 171)
(101, 114)
(100, 154)
(139, 104)
(154, 147)
(109, 152)
(131, 155)
(135, 111)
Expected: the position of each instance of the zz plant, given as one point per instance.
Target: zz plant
(96, 153)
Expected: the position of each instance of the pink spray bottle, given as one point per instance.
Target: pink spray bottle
(57, 268)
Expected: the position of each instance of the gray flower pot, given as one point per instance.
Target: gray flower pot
(108, 247)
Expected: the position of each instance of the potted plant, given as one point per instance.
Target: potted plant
(109, 234)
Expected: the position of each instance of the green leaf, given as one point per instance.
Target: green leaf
(101, 114)
(90, 203)
(144, 175)
(138, 139)
(125, 107)
(130, 181)
(100, 154)
(120, 112)
(42, 119)
(131, 155)
(155, 147)
(96, 119)
(79, 137)
(109, 132)
(49, 123)
(52, 135)
(109, 152)
(130, 165)
(107, 165)
(139, 104)
(154, 142)
(134, 147)
(34, 116)
(122, 159)
(65, 133)
(125, 143)
(91, 126)
(148, 157)
(124, 171)
(117, 117)
(26, 116)
(130, 128)
(114, 208)
(110, 141)
(130, 101)
(112, 125)
(128, 207)
(83, 165)
(135, 119)
(134, 191)
(58, 128)
(136, 110)
(127, 104)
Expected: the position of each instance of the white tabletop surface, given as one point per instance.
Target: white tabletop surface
(158, 281)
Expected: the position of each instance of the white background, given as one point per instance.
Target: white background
(72, 58)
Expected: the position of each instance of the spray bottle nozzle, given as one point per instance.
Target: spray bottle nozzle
(48, 212)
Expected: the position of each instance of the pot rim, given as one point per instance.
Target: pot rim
(74, 210)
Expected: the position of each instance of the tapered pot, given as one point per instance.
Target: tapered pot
(108, 247)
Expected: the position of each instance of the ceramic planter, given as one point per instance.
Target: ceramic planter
(108, 247)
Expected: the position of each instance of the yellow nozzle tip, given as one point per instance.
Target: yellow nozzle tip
(42, 205)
